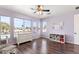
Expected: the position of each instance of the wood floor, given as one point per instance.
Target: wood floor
(45, 46)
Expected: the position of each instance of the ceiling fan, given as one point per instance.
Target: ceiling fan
(40, 10)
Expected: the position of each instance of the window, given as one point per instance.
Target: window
(5, 27)
(35, 26)
(38, 26)
(18, 24)
(21, 26)
(44, 26)
(27, 25)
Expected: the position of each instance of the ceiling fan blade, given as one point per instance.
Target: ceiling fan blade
(77, 8)
(35, 12)
(50, 12)
(46, 10)
(32, 8)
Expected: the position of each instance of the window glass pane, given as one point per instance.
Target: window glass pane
(5, 27)
(18, 23)
(27, 25)
(34, 26)
(18, 26)
(39, 26)
(44, 26)
(21, 26)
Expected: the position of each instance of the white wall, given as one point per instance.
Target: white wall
(68, 28)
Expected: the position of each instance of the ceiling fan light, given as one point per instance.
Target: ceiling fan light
(39, 12)
(41, 7)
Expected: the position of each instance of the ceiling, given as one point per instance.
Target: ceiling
(54, 9)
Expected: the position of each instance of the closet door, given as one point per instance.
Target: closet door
(76, 29)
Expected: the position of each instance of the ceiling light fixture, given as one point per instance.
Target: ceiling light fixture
(40, 10)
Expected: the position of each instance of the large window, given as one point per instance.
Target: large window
(21, 26)
(44, 26)
(11, 27)
(4, 27)
(18, 25)
(36, 26)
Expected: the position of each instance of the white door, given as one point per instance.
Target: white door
(76, 29)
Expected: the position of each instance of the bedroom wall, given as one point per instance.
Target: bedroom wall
(68, 26)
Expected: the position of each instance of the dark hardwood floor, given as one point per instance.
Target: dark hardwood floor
(45, 46)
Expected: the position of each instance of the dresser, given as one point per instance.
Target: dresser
(24, 37)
